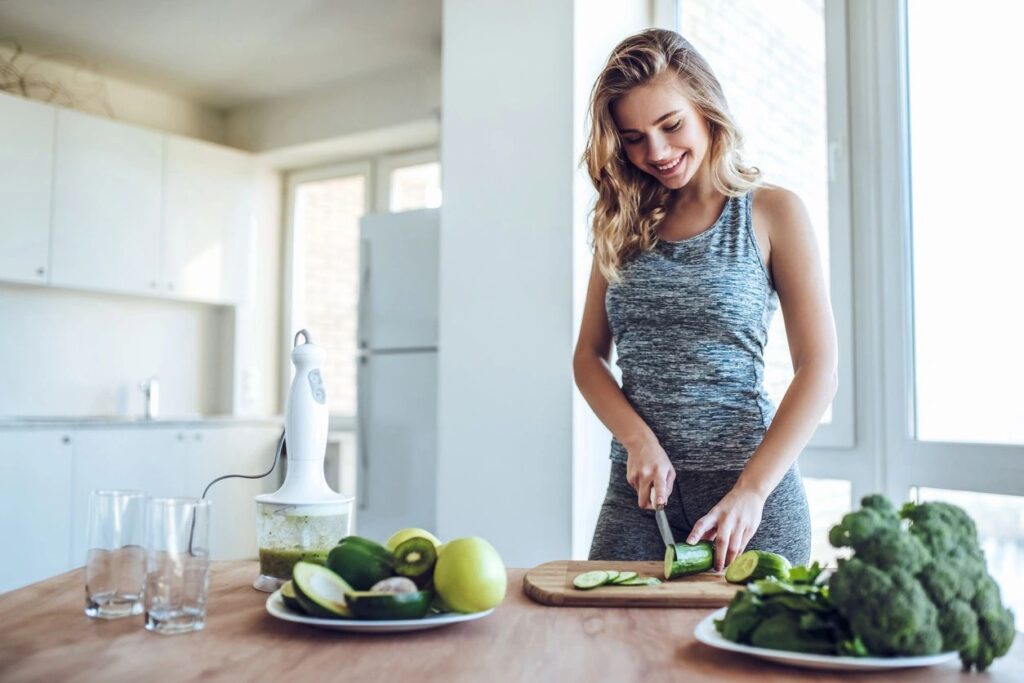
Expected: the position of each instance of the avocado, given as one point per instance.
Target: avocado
(289, 599)
(378, 605)
(361, 562)
(320, 592)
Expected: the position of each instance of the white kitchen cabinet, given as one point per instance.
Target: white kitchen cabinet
(35, 505)
(106, 205)
(26, 166)
(207, 213)
(151, 459)
(215, 452)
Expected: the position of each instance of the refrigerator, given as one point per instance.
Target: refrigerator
(396, 389)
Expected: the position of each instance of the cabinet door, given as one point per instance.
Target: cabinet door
(35, 505)
(151, 459)
(207, 213)
(26, 167)
(216, 451)
(106, 205)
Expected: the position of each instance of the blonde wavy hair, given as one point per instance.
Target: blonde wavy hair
(630, 203)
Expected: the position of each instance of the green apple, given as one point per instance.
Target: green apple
(470, 576)
(403, 535)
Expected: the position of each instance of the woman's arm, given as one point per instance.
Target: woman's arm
(648, 465)
(810, 329)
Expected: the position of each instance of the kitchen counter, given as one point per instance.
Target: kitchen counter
(46, 637)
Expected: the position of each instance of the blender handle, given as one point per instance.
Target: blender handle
(361, 432)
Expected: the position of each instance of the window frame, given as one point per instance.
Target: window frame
(840, 433)
(293, 268)
(387, 164)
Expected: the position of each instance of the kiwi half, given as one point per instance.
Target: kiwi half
(415, 559)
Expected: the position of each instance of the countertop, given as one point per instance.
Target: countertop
(46, 637)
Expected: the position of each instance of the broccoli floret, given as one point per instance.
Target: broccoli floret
(889, 610)
(920, 589)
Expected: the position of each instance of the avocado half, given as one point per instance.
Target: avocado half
(320, 592)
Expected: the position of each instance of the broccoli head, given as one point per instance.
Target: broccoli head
(919, 588)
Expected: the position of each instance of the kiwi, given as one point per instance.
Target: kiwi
(415, 559)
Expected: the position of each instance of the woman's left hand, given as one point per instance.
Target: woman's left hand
(731, 523)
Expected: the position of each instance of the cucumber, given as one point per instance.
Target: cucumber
(682, 559)
(588, 580)
(757, 564)
(361, 562)
(320, 592)
(613, 576)
(640, 581)
(623, 577)
(378, 605)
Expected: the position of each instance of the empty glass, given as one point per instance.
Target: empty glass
(177, 564)
(115, 564)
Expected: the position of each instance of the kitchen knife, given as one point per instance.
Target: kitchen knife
(662, 519)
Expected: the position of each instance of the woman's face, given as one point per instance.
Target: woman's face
(662, 133)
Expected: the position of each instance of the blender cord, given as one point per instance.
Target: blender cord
(277, 456)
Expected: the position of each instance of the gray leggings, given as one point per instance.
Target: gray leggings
(626, 532)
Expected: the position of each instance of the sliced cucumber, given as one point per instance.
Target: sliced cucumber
(588, 580)
(623, 577)
(320, 592)
(612, 576)
(641, 581)
(682, 559)
(757, 564)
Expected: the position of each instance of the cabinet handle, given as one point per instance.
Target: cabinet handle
(65, 439)
(170, 286)
(181, 437)
(153, 284)
(40, 271)
(198, 436)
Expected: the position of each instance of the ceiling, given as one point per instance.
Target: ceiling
(225, 53)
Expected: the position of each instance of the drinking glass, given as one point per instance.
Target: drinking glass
(115, 564)
(177, 564)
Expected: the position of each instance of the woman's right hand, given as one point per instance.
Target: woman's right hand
(648, 469)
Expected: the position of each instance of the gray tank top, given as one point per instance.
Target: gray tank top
(690, 322)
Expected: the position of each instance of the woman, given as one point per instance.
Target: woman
(692, 254)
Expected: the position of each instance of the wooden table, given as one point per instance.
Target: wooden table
(44, 636)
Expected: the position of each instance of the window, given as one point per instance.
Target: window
(773, 63)
(967, 235)
(829, 500)
(325, 216)
(324, 209)
(1000, 522)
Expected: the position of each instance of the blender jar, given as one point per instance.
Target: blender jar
(288, 533)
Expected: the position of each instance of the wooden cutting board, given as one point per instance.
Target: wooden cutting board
(551, 584)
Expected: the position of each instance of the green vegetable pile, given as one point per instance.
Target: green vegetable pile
(916, 585)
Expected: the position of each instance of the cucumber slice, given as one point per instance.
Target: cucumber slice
(623, 577)
(757, 564)
(682, 559)
(612, 576)
(641, 581)
(320, 592)
(588, 580)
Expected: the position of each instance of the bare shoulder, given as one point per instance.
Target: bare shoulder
(778, 210)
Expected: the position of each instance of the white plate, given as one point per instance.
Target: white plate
(709, 635)
(276, 607)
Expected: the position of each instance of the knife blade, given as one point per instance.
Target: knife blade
(663, 527)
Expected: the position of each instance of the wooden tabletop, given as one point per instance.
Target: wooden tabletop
(44, 636)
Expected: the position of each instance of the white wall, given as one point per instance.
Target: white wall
(75, 353)
(84, 87)
(505, 398)
(378, 100)
(600, 26)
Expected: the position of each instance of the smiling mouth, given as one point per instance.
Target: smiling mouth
(671, 166)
